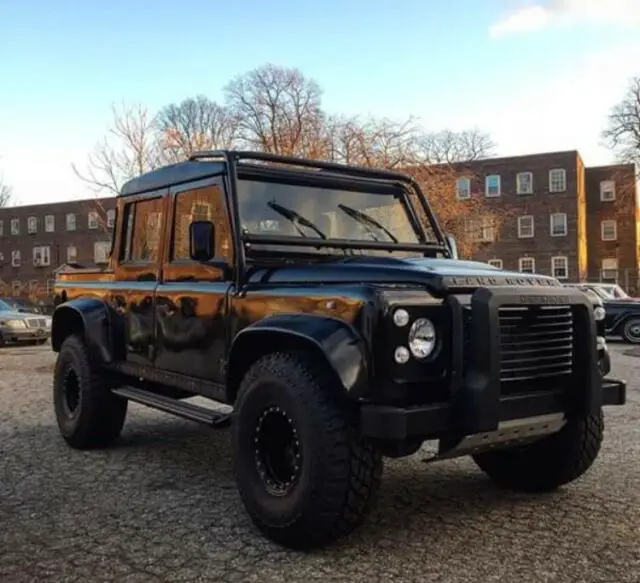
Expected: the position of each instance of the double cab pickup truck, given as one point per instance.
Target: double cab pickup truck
(325, 307)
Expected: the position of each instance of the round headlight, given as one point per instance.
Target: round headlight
(401, 355)
(422, 338)
(599, 313)
(401, 317)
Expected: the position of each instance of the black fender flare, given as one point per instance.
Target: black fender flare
(335, 341)
(620, 321)
(92, 319)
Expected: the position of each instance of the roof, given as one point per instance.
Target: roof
(171, 175)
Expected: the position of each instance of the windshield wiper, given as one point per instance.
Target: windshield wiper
(367, 221)
(295, 218)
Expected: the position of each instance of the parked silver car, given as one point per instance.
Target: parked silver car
(20, 327)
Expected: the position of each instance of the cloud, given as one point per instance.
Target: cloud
(537, 16)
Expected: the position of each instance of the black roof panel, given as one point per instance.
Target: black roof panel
(171, 175)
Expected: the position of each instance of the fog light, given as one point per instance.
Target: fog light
(401, 317)
(601, 343)
(401, 355)
(599, 313)
(422, 338)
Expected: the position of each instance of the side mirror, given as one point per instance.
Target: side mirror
(453, 246)
(201, 240)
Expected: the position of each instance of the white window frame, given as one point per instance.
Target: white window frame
(603, 224)
(15, 258)
(563, 258)
(486, 185)
(613, 266)
(466, 190)
(44, 253)
(72, 257)
(563, 182)
(520, 229)
(15, 226)
(93, 221)
(49, 223)
(111, 218)
(519, 189)
(32, 224)
(564, 222)
(522, 260)
(603, 189)
(70, 221)
(107, 246)
(495, 263)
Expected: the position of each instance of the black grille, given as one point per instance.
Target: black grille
(536, 345)
(36, 323)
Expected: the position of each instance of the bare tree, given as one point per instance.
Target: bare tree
(622, 134)
(129, 149)
(6, 194)
(277, 110)
(450, 147)
(194, 124)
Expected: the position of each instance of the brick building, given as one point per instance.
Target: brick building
(36, 239)
(548, 213)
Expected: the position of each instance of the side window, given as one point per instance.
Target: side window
(200, 204)
(143, 221)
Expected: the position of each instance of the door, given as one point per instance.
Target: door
(137, 273)
(191, 300)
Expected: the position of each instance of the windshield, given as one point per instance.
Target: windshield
(269, 208)
(5, 307)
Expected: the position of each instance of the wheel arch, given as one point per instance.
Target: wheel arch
(622, 319)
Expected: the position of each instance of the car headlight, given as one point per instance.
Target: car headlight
(47, 321)
(599, 313)
(422, 338)
(15, 324)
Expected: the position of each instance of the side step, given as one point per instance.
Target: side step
(180, 409)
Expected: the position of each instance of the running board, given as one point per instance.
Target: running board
(175, 407)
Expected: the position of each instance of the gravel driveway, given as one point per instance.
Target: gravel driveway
(162, 506)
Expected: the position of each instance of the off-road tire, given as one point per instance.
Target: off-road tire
(550, 462)
(627, 335)
(99, 416)
(339, 473)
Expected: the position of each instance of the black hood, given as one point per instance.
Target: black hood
(437, 275)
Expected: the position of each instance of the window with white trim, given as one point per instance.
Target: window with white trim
(558, 224)
(609, 268)
(32, 225)
(495, 263)
(492, 185)
(72, 254)
(41, 255)
(15, 258)
(609, 230)
(49, 223)
(607, 190)
(527, 265)
(526, 229)
(557, 180)
(15, 226)
(70, 221)
(482, 229)
(101, 251)
(111, 218)
(524, 183)
(92, 220)
(560, 267)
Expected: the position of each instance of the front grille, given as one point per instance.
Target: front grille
(536, 345)
(36, 323)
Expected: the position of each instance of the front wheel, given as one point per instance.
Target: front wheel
(305, 476)
(631, 331)
(550, 462)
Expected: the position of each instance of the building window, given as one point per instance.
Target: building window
(558, 225)
(495, 263)
(93, 220)
(1, 258)
(101, 251)
(527, 265)
(607, 190)
(15, 258)
(16, 287)
(41, 255)
(524, 183)
(557, 180)
(1, 228)
(560, 267)
(609, 268)
(525, 227)
(111, 218)
(15, 226)
(481, 230)
(609, 230)
(32, 225)
(70, 220)
(49, 223)
(72, 254)
(492, 185)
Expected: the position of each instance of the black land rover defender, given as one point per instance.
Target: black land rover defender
(325, 305)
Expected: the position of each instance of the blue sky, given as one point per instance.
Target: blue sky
(536, 75)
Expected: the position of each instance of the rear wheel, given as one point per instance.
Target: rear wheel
(89, 415)
(305, 476)
(550, 462)
(631, 331)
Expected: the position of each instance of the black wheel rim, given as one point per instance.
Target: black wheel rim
(278, 453)
(633, 330)
(70, 392)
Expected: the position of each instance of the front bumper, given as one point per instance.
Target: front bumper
(17, 335)
(477, 402)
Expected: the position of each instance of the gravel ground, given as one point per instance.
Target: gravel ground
(162, 506)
